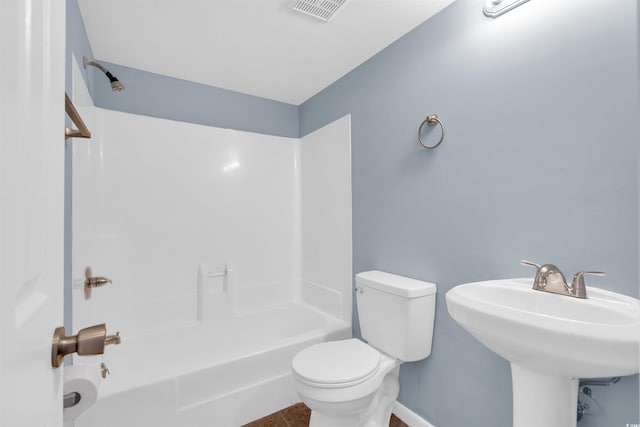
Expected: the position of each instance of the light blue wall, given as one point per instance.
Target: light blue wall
(540, 162)
(77, 42)
(156, 95)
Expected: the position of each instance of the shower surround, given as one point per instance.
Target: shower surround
(229, 251)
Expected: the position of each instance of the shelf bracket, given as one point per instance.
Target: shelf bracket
(82, 131)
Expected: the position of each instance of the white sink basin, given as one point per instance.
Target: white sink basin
(555, 334)
(551, 341)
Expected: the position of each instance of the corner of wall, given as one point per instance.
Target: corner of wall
(326, 229)
(78, 45)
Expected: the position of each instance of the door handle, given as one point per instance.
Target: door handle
(91, 340)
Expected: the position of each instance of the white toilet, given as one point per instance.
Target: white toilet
(352, 384)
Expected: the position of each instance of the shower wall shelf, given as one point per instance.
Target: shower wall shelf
(82, 131)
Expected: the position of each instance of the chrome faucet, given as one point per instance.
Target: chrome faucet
(549, 278)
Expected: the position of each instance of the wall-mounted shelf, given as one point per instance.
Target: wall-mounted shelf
(82, 131)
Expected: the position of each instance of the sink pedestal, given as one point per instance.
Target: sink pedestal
(543, 400)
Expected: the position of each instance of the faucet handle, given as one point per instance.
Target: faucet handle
(539, 282)
(532, 264)
(578, 288)
(91, 340)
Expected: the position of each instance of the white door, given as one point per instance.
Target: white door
(32, 76)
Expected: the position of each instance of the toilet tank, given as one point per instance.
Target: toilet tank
(396, 314)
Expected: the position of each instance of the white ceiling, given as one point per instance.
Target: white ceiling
(258, 47)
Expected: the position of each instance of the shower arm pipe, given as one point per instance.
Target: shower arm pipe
(116, 85)
(95, 64)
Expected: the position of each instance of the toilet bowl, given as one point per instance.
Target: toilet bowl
(341, 380)
(350, 383)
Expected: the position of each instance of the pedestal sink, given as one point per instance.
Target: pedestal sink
(551, 341)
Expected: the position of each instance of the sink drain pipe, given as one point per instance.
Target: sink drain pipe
(584, 394)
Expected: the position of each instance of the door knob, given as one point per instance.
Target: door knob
(91, 340)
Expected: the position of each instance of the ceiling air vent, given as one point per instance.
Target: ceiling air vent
(321, 9)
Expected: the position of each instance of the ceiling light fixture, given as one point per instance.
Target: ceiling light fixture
(495, 8)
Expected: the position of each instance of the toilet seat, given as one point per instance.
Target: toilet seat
(336, 364)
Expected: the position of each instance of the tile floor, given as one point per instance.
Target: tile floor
(298, 416)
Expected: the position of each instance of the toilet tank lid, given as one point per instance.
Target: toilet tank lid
(394, 284)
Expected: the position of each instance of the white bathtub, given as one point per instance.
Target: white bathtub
(222, 374)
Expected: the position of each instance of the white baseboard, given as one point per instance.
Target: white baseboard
(409, 417)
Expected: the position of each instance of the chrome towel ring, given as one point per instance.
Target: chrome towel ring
(431, 120)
